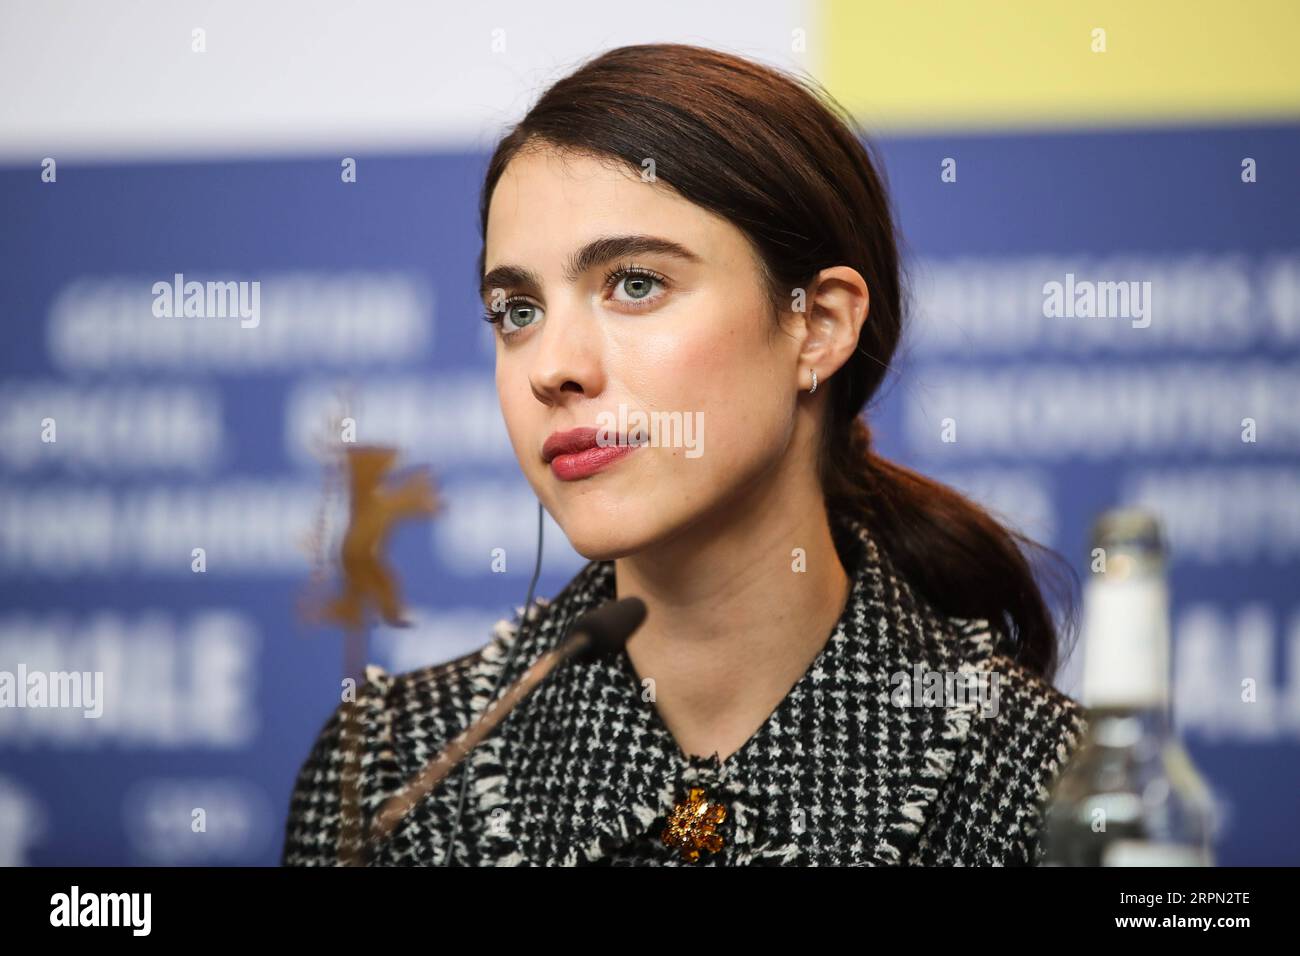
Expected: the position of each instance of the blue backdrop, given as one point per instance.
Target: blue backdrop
(128, 440)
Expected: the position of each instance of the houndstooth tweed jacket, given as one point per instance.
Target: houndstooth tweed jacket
(853, 767)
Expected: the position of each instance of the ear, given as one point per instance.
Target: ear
(837, 307)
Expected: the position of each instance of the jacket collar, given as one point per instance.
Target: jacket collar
(585, 764)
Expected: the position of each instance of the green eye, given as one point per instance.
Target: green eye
(514, 316)
(636, 283)
(521, 314)
(638, 287)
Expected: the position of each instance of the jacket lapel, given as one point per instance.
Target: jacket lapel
(845, 771)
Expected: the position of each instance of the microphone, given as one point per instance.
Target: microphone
(604, 631)
(599, 633)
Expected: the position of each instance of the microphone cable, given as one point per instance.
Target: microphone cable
(496, 691)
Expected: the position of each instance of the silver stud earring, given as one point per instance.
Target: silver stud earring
(814, 388)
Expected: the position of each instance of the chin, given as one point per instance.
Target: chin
(599, 536)
(603, 527)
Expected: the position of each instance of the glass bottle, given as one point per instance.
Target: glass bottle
(1131, 795)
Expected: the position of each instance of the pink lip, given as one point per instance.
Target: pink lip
(565, 443)
(575, 454)
(583, 464)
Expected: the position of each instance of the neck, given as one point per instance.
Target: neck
(731, 624)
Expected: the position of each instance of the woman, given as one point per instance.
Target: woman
(675, 230)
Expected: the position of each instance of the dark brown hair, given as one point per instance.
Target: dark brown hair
(776, 156)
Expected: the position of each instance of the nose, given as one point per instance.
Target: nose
(566, 359)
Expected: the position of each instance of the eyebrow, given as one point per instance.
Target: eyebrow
(594, 253)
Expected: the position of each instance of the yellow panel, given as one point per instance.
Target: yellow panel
(894, 63)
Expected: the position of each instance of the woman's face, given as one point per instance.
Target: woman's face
(686, 343)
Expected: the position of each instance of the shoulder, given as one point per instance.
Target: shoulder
(1020, 706)
(1034, 718)
(1021, 736)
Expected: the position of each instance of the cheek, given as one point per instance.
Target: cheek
(730, 375)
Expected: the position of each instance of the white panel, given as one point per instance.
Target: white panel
(90, 80)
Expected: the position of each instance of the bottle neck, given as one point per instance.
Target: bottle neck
(1126, 641)
(1121, 727)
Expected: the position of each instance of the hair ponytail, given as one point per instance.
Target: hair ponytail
(961, 558)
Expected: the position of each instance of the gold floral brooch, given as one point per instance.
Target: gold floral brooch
(692, 827)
